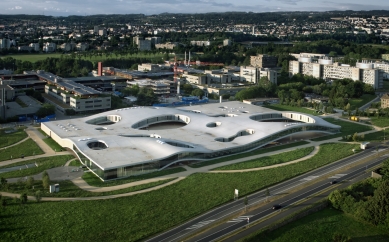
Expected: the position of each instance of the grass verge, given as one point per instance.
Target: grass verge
(26, 148)
(378, 136)
(137, 217)
(247, 154)
(11, 138)
(269, 160)
(322, 226)
(50, 142)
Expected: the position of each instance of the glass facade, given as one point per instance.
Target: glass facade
(133, 170)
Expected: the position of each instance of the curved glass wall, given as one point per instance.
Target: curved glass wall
(133, 170)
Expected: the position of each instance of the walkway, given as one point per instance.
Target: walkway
(15, 143)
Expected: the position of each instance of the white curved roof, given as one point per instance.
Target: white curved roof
(125, 151)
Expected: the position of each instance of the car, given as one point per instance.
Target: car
(276, 206)
(334, 182)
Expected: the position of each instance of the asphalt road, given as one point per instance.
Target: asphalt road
(221, 220)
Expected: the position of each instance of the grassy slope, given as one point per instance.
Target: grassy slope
(321, 226)
(347, 128)
(280, 107)
(12, 138)
(269, 160)
(359, 102)
(137, 217)
(26, 148)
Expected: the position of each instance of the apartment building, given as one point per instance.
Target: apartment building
(34, 46)
(154, 40)
(254, 74)
(200, 42)
(5, 43)
(385, 101)
(264, 61)
(326, 69)
(49, 47)
(144, 45)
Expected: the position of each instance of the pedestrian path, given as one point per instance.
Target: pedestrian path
(19, 142)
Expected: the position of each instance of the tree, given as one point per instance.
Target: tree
(378, 206)
(198, 93)
(38, 196)
(45, 180)
(23, 198)
(45, 110)
(355, 137)
(30, 182)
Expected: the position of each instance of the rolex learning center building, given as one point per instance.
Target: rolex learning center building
(138, 140)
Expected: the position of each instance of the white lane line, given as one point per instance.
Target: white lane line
(309, 178)
(200, 224)
(240, 219)
(337, 176)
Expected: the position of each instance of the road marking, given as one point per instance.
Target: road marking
(240, 219)
(337, 176)
(200, 224)
(309, 178)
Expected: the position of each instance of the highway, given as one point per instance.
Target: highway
(229, 217)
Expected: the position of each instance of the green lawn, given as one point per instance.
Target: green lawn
(68, 189)
(50, 142)
(380, 122)
(137, 217)
(347, 128)
(359, 102)
(26, 148)
(11, 138)
(37, 57)
(93, 180)
(53, 145)
(269, 160)
(44, 163)
(321, 227)
(281, 107)
(247, 154)
(377, 136)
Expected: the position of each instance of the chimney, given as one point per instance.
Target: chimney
(100, 68)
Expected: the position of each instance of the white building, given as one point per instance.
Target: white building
(35, 46)
(200, 42)
(326, 69)
(49, 47)
(254, 74)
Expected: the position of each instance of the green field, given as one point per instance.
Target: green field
(93, 180)
(359, 102)
(68, 189)
(378, 136)
(26, 148)
(140, 216)
(11, 138)
(321, 227)
(380, 122)
(43, 164)
(347, 128)
(281, 107)
(53, 145)
(269, 160)
(247, 154)
(37, 57)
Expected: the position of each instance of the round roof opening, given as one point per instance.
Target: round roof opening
(97, 145)
(213, 124)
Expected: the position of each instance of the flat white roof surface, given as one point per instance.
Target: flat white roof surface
(126, 151)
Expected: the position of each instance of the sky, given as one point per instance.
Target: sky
(148, 7)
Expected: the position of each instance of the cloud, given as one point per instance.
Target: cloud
(18, 7)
